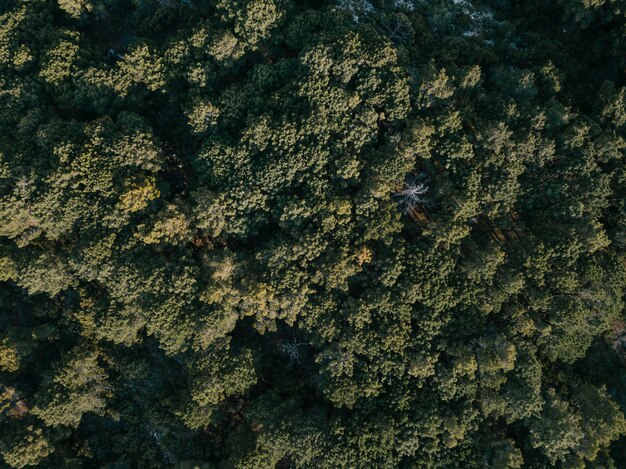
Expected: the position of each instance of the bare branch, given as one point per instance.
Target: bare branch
(413, 193)
(292, 350)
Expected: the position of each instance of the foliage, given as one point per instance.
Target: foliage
(280, 233)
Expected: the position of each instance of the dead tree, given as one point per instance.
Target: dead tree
(413, 193)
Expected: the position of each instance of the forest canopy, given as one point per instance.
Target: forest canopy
(316, 234)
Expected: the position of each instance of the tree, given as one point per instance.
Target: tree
(79, 386)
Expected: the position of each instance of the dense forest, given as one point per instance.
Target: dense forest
(312, 234)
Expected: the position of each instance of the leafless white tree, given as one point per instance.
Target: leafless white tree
(413, 193)
(292, 350)
(396, 28)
